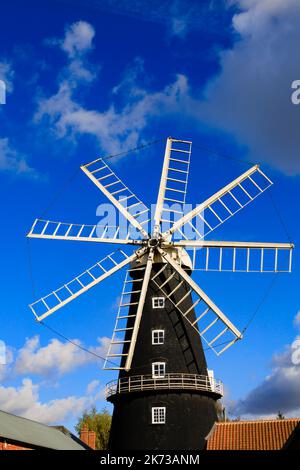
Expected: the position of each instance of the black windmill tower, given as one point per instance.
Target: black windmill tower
(165, 397)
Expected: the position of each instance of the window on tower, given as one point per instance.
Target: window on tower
(158, 369)
(158, 336)
(158, 415)
(158, 302)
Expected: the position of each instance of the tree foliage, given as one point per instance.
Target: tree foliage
(98, 422)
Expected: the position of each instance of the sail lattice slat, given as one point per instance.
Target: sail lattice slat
(243, 260)
(49, 229)
(48, 304)
(223, 205)
(213, 328)
(176, 182)
(114, 188)
(122, 333)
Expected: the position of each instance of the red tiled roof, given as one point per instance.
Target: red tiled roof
(251, 435)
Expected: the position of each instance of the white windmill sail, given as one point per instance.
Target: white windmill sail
(129, 205)
(211, 323)
(239, 256)
(133, 300)
(125, 319)
(104, 268)
(52, 230)
(173, 184)
(224, 204)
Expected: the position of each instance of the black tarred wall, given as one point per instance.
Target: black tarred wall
(189, 419)
(189, 416)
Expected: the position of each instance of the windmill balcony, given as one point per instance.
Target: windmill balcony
(190, 382)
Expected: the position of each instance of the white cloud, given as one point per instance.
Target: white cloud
(11, 161)
(50, 361)
(79, 71)
(76, 44)
(190, 15)
(128, 84)
(78, 39)
(116, 128)
(25, 401)
(119, 126)
(56, 358)
(297, 320)
(182, 17)
(7, 361)
(279, 391)
(178, 26)
(7, 75)
(251, 98)
(92, 386)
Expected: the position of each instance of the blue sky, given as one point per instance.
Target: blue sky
(96, 78)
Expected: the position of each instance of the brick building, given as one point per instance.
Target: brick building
(274, 434)
(18, 433)
(88, 437)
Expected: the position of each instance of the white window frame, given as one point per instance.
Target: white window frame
(158, 415)
(158, 337)
(156, 301)
(158, 374)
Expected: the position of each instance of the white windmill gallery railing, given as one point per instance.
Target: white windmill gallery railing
(137, 383)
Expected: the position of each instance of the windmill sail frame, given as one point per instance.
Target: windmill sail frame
(158, 246)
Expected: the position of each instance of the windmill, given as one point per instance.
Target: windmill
(164, 397)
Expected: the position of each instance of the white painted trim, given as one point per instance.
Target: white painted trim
(158, 298)
(140, 309)
(158, 409)
(227, 244)
(159, 364)
(158, 333)
(162, 186)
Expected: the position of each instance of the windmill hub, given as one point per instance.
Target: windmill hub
(153, 242)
